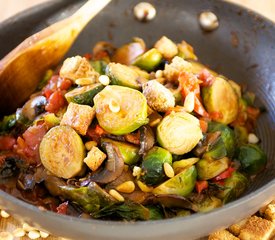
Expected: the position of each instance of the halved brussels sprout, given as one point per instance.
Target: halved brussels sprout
(131, 112)
(179, 132)
(152, 165)
(217, 151)
(149, 60)
(208, 168)
(208, 203)
(182, 184)
(123, 75)
(227, 135)
(221, 98)
(178, 166)
(128, 151)
(241, 135)
(233, 187)
(252, 158)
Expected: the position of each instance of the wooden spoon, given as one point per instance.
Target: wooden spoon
(24, 66)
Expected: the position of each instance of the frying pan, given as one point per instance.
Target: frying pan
(242, 48)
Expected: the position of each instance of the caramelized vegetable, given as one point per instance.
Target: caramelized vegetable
(62, 152)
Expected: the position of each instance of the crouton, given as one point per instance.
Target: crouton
(222, 235)
(269, 213)
(166, 47)
(77, 67)
(257, 228)
(171, 71)
(79, 117)
(95, 158)
(158, 97)
(236, 228)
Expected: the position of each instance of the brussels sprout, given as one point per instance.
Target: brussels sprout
(152, 165)
(125, 211)
(128, 151)
(227, 135)
(233, 187)
(155, 213)
(178, 166)
(7, 123)
(252, 158)
(90, 198)
(131, 114)
(123, 75)
(183, 213)
(197, 67)
(217, 151)
(241, 135)
(182, 184)
(179, 132)
(221, 98)
(99, 66)
(208, 203)
(149, 60)
(208, 168)
(186, 51)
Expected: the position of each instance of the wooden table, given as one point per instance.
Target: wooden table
(10, 7)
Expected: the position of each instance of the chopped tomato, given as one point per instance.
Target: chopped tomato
(6, 142)
(56, 102)
(206, 77)
(88, 56)
(252, 112)
(225, 174)
(64, 83)
(216, 115)
(62, 208)
(28, 144)
(96, 133)
(203, 125)
(100, 55)
(201, 185)
(190, 83)
(175, 109)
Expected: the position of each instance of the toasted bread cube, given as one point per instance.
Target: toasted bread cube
(257, 228)
(269, 213)
(222, 235)
(95, 158)
(236, 228)
(79, 117)
(77, 67)
(166, 47)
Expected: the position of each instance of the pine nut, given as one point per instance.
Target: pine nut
(252, 138)
(168, 170)
(159, 74)
(143, 187)
(208, 21)
(89, 145)
(114, 106)
(136, 171)
(27, 227)
(19, 232)
(126, 187)
(4, 214)
(34, 234)
(44, 234)
(116, 195)
(104, 80)
(189, 102)
(6, 236)
(84, 81)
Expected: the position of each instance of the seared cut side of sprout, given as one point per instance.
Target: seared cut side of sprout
(62, 152)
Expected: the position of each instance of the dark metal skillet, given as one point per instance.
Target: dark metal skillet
(242, 48)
